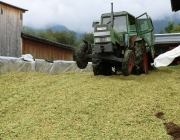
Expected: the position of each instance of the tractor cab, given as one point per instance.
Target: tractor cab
(123, 21)
(120, 23)
(127, 25)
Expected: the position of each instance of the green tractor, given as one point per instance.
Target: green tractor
(122, 42)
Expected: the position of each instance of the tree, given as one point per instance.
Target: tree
(28, 30)
(161, 32)
(65, 37)
(176, 29)
(88, 36)
(48, 34)
(169, 27)
(62, 37)
(72, 37)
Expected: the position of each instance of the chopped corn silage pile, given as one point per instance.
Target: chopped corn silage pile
(72, 105)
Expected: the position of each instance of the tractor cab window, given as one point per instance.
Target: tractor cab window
(120, 24)
(133, 30)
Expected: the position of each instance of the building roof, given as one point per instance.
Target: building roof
(167, 38)
(175, 5)
(1, 2)
(42, 40)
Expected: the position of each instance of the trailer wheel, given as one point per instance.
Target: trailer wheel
(81, 58)
(128, 62)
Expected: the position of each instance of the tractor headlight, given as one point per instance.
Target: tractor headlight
(96, 40)
(101, 28)
(108, 39)
(102, 39)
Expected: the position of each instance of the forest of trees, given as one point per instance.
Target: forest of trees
(69, 37)
(64, 37)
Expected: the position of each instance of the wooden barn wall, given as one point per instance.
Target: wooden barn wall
(45, 51)
(10, 31)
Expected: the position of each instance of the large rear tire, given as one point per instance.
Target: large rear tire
(81, 58)
(128, 62)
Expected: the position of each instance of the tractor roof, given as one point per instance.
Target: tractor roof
(117, 14)
(131, 17)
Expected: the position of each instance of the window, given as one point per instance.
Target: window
(119, 23)
(1, 11)
(21, 16)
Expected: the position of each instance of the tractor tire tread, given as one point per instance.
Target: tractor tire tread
(125, 62)
(79, 56)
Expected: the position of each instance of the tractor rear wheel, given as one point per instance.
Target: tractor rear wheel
(128, 62)
(81, 58)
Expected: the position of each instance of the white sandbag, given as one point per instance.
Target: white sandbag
(27, 57)
(12, 64)
(59, 66)
(26, 63)
(166, 58)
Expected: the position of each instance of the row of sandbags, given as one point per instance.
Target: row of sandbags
(27, 63)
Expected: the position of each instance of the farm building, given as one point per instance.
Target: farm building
(14, 43)
(41, 48)
(11, 26)
(167, 42)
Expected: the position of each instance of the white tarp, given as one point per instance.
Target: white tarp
(12, 64)
(59, 66)
(166, 58)
(27, 63)
(27, 57)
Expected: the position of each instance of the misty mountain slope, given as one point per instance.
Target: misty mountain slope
(158, 25)
(63, 28)
(59, 28)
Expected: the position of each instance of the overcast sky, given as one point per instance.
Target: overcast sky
(78, 15)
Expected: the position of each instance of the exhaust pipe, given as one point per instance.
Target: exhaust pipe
(112, 15)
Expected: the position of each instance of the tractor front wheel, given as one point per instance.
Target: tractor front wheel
(81, 58)
(128, 62)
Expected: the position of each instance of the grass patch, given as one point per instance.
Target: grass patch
(83, 106)
(177, 67)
